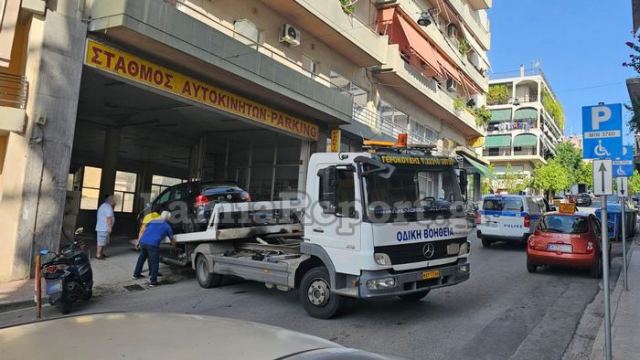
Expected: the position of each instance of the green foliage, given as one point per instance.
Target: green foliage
(347, 6)
(553, 107)
(634, 183)
(634, 63)
(514, 182)
(459, 104)
(488, 181)
(584, 174)
(463, 46)
(570, 158)
(634, 121)
(551, 177)
(498, 94)
(482, 114)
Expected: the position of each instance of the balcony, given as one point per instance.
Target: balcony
(326, 20)
(14, 91)
(174, 37)
(377, 122)
(477, 21)
(426, 93)
(481, 4)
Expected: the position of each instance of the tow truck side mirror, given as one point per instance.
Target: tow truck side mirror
(462, 178)
(328, 197)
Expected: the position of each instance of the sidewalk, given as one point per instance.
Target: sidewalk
(625, 314)
(109, 276)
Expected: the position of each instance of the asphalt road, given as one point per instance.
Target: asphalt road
(502, 312)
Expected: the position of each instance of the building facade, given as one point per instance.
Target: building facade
(129, 97)
(525, 125)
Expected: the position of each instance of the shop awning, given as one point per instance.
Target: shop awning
(483, 170)
(525, 140)
(526, 113)
(501, 115)
(498, 141)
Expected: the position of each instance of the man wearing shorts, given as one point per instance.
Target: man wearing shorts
(104, 225)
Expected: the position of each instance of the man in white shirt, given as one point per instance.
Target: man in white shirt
(104, 224)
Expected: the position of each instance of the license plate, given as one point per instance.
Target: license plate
(560, 248)
(54, 286)
(432, 274)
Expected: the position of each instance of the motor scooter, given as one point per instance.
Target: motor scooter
(68, 275)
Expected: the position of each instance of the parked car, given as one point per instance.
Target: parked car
(566, 239)
(508, 218)
(191, 203)
(166, 336)
(583, 199)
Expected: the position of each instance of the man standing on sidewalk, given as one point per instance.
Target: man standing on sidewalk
(104, 225)
(155, 231)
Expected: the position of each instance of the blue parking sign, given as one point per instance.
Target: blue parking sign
(623, 166)
(602, 131)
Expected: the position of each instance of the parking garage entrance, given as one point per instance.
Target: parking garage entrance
(137, 134)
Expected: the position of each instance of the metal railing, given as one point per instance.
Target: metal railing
(14, 90)
(376, 121)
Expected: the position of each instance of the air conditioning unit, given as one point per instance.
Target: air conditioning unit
(451, 85)
(290, 35)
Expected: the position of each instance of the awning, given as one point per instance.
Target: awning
(400, 31)
(498, 141)
(526, 113)
(525, 140)
(501, 115)
(483, 170)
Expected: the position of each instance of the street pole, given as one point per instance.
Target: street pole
(605, 281)
(624, 242)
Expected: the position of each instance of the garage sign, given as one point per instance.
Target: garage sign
(120, 63)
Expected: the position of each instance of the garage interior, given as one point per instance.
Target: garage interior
(162, 140)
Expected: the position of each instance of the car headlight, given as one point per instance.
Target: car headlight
(382, 259)
(384, 283)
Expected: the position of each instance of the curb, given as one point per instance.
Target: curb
(588, 340)
(15, 305)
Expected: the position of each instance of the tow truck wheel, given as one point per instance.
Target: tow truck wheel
(486, 242)
(205, 277)
(316, 296)
(414, 297)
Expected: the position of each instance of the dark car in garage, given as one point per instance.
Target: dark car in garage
(191, 203)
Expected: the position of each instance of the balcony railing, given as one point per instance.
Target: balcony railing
(509, 127)
(14, 91)
(376, 121)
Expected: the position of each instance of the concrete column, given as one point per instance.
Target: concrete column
(145, 179)
(109, 162)
(37, 160)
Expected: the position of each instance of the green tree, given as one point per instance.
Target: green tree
(634, 183)
(584, 174)
(553, 107)
(551, 177)
(514, 182)
(488, 181)
(570, 158)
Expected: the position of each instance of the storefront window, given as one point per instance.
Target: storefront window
(90, 188)
(159, 183)
(124, 191)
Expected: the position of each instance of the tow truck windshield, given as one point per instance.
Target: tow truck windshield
(412, 193)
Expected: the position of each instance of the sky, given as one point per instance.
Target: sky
(580, 45)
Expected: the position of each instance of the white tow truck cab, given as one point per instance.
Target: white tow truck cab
(386, 222)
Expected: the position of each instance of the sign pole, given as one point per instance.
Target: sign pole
(605, 281)
(624, 242)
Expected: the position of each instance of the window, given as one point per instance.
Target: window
(309, 64)
(124, 191)
(90, 188)
(164, 197)
(159, 183)
(246, 31)
(337, 191)
(564, 224)
(494, 151)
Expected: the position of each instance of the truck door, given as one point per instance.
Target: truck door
(335, 223)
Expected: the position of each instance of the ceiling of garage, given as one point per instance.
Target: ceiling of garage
(154, 127)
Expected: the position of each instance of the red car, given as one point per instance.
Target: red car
(566, 239)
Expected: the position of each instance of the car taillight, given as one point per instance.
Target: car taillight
(527, 220)
(478, 218)
(201, 200)
(245, 196)
(589, 247)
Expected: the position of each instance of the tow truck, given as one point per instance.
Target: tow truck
(388, 221)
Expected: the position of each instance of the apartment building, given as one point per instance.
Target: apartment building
(526, 123)
(128, 97)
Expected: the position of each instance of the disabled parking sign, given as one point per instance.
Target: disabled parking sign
(602, 131)
(623, 166)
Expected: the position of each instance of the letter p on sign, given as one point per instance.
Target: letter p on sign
(599, 114)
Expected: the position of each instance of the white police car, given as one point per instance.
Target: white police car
(508, 218)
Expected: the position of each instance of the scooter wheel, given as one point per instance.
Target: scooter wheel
(63, 306)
